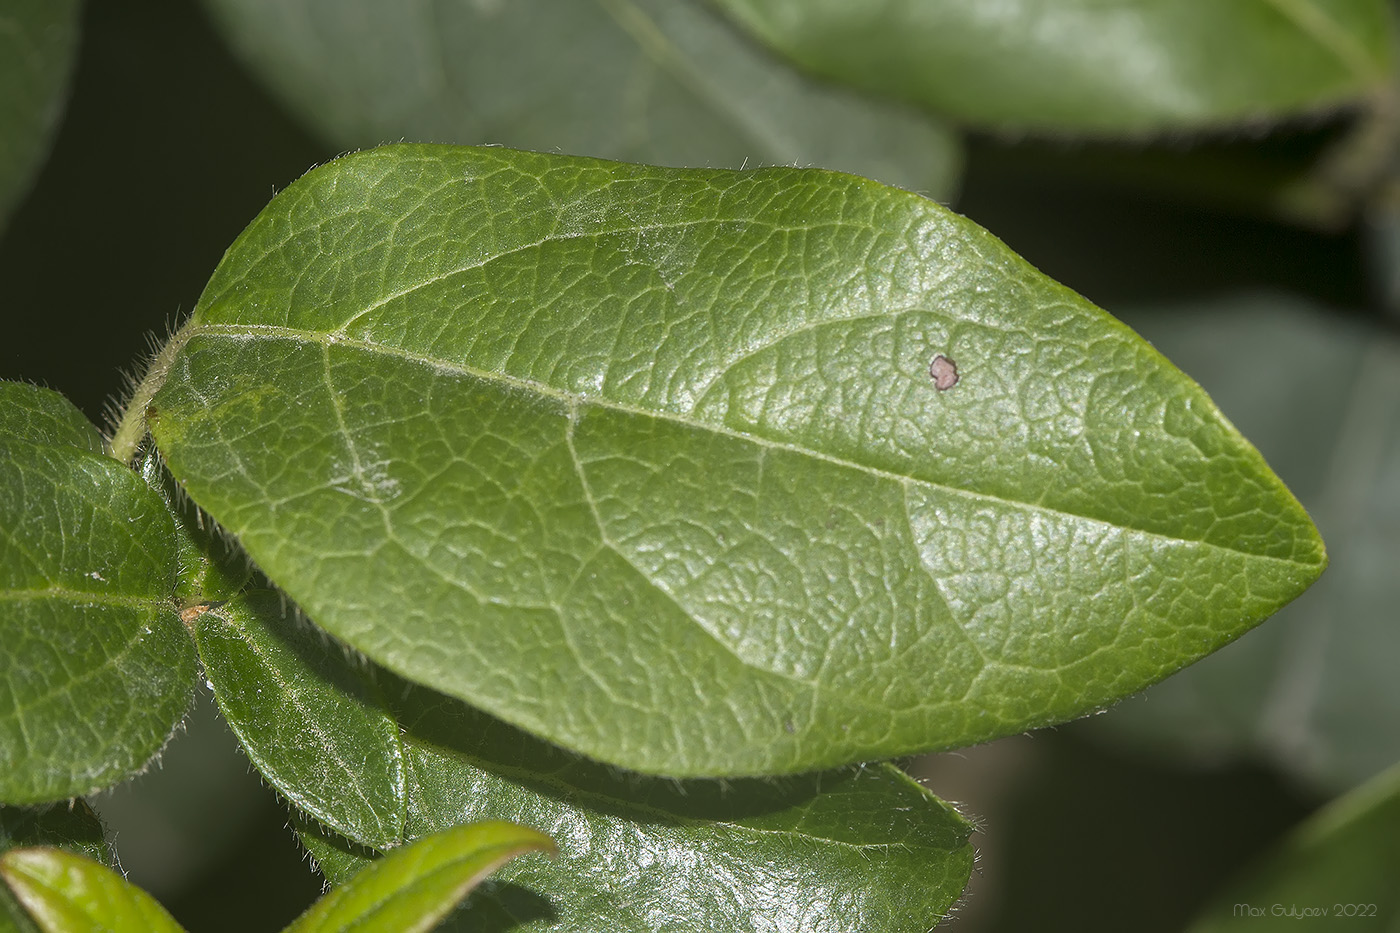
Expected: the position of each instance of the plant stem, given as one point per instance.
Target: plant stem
(131, 426)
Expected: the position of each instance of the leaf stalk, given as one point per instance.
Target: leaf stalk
(130, 428)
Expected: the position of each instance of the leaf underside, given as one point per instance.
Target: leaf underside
(650, 462)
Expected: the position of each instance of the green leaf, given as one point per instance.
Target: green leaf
(314, 726)
(68, 893)
(13, 917)
(97, 669)
(43, 416)
(415, 887)
(867, 836)
(650, 462)
(1315, 690)
(38, 39)
(212, 568)
(660, 81)
(1098, 66)
(72, 826)
(861, 849)
(1336, 871)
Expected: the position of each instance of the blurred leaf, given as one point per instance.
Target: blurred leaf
(313, 725)
(38, 39)
(1339, 870)
(1151, 815)
(1383, 241)
(1096, 66)
(71, 825)
(1315, 689)
(68, 893)
(1382, 231)
(415, 887)
(1315, 177)
(675, 433)
(96, 667)
(13, 917)
(659, 81)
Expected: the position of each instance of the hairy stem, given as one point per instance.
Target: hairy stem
(131, 425)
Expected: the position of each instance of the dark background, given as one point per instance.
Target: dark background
(168, 148)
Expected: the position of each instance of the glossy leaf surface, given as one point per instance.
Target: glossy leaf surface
(1337, 871)
(636, 854)
(97, 669)
(650, 463)
(1101, 66)
(312, 725)
(669, 82)
(1315, 689)
(851, 850)
(68, 893)
(38, 39)
(413, 888)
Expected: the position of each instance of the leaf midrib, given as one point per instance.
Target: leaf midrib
(573, 402)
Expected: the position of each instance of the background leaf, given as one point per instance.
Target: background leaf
(1337, 871)
(97, 669)
(659, 81)
(38, 39)
(1316, 175)
(314, 727)
(1121, 66)
(415, 887)
(1314, 691)
(649, 462)
(68, 893)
